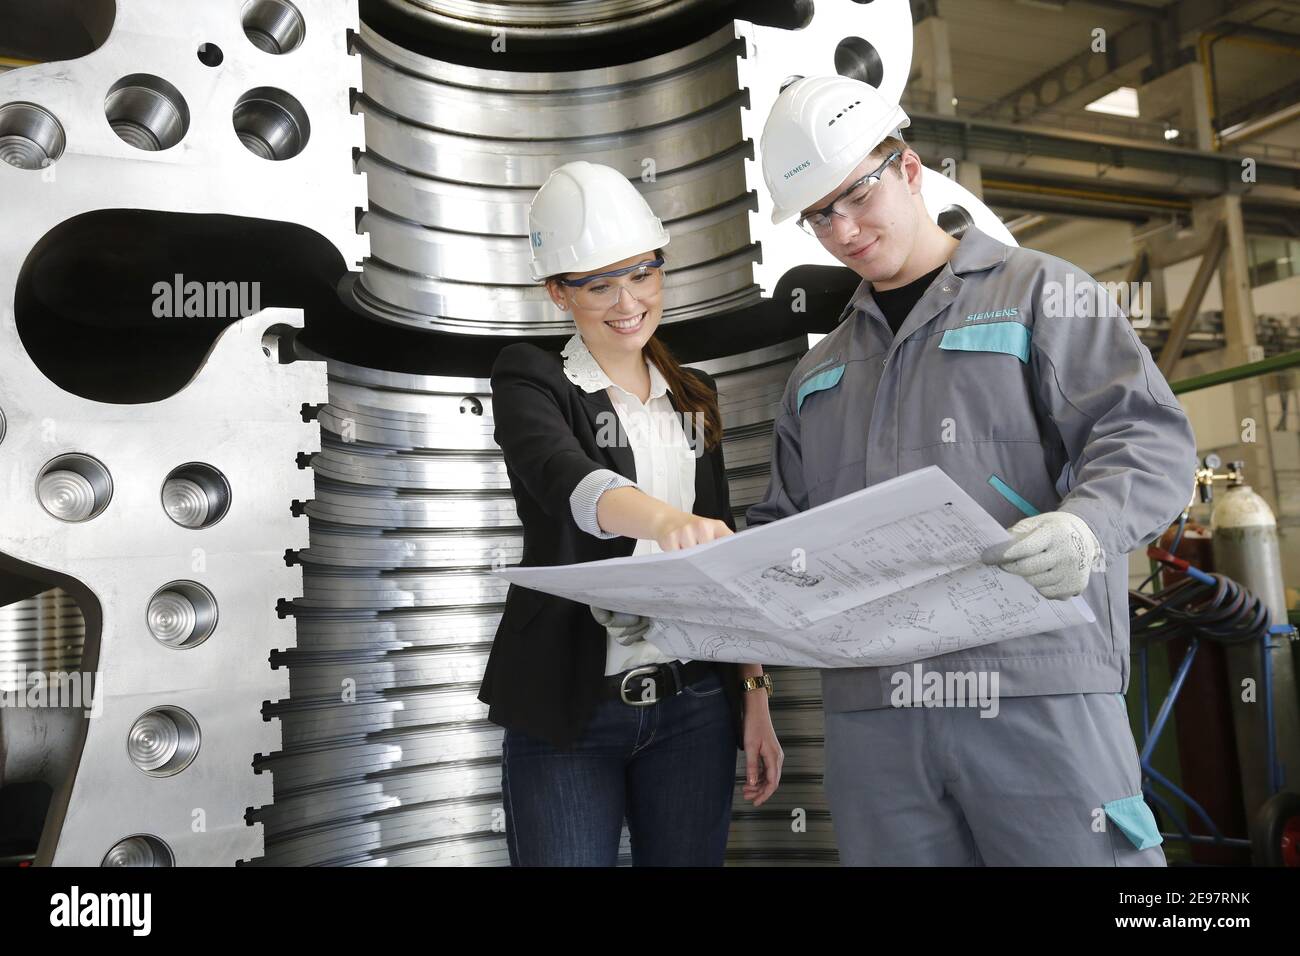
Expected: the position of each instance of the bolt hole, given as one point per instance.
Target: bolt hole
(273, 26)
(74, 487)
(857, 59)
(210, 55)
(139, 850)
(271, 124)
(30, 137)
(955, 220)
(196, 496)
(182, 614)
(163, 741)
(147, 112)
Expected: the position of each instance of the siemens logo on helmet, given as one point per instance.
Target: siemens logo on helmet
(803, 165)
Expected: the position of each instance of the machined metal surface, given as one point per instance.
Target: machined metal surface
(41, 643)
(583, 19)
(116, 561)
(455, 153)
(40, 634)
(388, 758)
(115, 503)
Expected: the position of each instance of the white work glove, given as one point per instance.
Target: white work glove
(625, 628)
(1055, 552)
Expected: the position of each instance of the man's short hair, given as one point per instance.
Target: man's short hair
(887, 146)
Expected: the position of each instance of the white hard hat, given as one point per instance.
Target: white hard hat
(586, 216)
(820, 128)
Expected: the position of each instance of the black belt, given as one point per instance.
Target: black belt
(643, 686)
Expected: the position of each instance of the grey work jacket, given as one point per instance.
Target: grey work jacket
(1020, 377)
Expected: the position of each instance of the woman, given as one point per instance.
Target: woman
(600, 724)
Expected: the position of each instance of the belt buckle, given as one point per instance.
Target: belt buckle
(638, 672)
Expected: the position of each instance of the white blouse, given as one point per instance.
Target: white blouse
(665, 469)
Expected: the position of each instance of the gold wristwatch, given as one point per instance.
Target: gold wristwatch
(754, 683)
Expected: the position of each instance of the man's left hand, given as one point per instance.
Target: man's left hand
(1055, 552)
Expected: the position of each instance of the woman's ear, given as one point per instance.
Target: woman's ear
(554, 290)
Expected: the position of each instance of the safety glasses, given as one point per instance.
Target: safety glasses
(847, 204)
(644, 279)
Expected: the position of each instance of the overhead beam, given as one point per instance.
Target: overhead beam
(1191, 306)
(1088, 75)
(1262, 106)
(1099, 162)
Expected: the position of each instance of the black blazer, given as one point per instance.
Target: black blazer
(548, 657)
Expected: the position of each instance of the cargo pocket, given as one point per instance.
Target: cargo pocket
(1134, 819)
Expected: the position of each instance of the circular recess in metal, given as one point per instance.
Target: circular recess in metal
(139, 850)
(211, 55)
(196, 495)
(163, 741)
(271, 124)
(30, 136)
(182, 614)
(955, 220)
(857, 59)
(274, 26)
(147, 112)
(74, 487)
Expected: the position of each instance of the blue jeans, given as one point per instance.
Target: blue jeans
(669, 768)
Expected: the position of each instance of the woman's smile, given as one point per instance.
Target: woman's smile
(628, 325)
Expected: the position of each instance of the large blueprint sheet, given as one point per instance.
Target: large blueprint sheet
(887, 575)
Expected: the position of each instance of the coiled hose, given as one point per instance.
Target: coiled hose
(1203, 605)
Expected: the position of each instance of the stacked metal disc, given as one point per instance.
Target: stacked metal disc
(794, 826)
(454, 155)
(586, 19)
(45, 634)
(388, 757)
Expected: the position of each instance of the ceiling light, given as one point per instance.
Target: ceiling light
(1121, 102)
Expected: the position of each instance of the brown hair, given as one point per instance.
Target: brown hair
(693, 396)
(887, 146)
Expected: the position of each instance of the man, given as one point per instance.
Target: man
(1015, 373)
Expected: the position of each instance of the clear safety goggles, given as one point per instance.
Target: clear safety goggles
(644, 279)
(848, 204)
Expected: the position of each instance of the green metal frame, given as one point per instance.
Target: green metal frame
(1235, 374)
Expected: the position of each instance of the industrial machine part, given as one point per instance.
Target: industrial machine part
(167, 520)
(385, 757)
(455, 153)
(388, 758)
(581, 20)
(41, 642)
